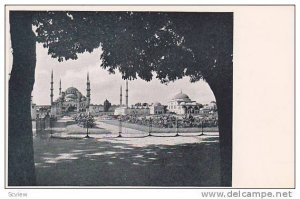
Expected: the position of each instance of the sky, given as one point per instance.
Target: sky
(105, 85)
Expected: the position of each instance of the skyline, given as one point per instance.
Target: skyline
(73, 73)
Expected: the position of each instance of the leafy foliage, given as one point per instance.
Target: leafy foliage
(166, 45)
(84, 120)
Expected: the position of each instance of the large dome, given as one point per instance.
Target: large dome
(181, 96)
(156, 104)
(71, 90)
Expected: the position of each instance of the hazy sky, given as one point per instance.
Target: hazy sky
(106, 86)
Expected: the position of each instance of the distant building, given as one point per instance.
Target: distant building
(157, 108)
(106, 105)
(213, 105)
(113, 108)
(122, 109)
(96, 109)
(209, 108)
(137, 109)
(182, 104)
(72, 100)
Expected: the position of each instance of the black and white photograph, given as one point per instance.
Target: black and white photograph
(161, 97)
(120, 98)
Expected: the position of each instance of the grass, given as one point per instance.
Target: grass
(75, 130)
(92, 162)
(70, 160)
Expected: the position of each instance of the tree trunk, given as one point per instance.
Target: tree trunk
(211, 39)
(223, 94)
(21, 170)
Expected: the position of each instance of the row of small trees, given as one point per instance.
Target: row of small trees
(169, 121)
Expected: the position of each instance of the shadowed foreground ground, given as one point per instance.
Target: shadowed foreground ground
(109, 162)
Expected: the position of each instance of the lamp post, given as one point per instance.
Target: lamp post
(150, 127)
(51, 127)
(87, 125)
(201, 128)
(176, 123)
(120, 127)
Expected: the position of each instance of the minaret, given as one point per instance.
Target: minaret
(51, 89)
(88, 90)
(126, 93)
(60, 87)
(120, 96)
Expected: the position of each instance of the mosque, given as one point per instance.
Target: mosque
(70, 100)
(123, 109)
(139, 108)
(182, 104)
(73, 101)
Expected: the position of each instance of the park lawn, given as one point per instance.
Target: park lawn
(112, 162)
(74, 129)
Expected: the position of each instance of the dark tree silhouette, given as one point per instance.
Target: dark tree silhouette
(162, 45)
(20, 147)
(106, 105)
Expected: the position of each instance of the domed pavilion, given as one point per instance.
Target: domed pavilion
(182, 104)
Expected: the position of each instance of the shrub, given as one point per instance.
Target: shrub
(84, 120)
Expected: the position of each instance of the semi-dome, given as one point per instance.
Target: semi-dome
(72, 96)
(79, 95)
